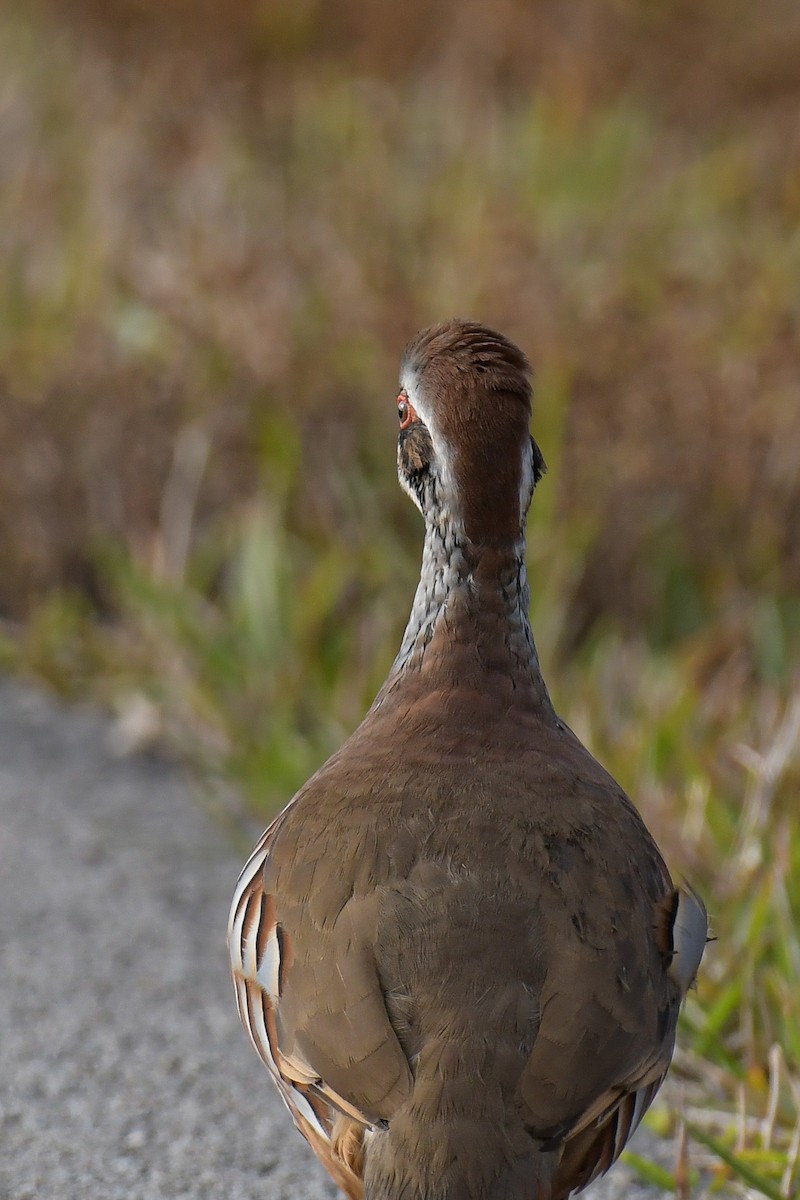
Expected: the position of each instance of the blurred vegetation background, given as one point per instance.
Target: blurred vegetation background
(219, 224)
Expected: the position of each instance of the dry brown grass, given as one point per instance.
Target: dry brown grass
(234, 215)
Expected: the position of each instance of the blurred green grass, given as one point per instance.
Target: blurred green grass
(217, 228)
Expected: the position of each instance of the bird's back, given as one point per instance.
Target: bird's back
(474, 973)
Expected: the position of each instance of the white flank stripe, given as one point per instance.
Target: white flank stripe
(269, 967)
(241, 1001)
(235, 937)
(623, 1128)
(643, 1097)
(258, 1029)
(249, 955)
(248, 873)
(302, 1105)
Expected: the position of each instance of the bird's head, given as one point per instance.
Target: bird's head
(465, 454)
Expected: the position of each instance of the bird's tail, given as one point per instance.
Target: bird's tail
(455, 1158)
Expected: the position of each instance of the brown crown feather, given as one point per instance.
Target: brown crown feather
(468, 346)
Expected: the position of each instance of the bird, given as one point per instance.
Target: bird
(458, 949)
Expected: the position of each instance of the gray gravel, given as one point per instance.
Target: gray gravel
(124, 1072)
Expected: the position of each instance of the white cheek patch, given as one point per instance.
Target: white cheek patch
(409, 382)
(442, 466)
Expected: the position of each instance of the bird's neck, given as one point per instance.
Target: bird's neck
(469, 627)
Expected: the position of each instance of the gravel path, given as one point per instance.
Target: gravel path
(124, 1072)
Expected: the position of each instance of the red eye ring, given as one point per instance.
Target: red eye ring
(405, 410)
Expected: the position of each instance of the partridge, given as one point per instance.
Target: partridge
(458, 949)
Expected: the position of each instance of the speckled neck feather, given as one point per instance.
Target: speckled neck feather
(470, 466)
(469, 625)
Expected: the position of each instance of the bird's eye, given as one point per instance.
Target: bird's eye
(404, 411)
